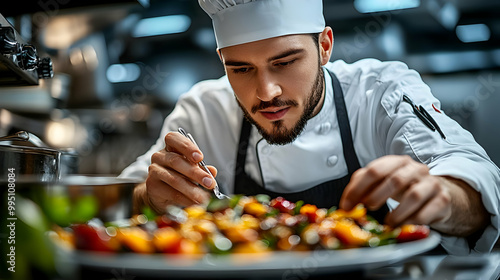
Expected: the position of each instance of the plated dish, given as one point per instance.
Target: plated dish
(242, 233)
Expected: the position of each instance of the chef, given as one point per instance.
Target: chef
(285, 121)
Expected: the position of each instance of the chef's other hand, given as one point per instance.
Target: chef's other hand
(448, 205)
(174, 175)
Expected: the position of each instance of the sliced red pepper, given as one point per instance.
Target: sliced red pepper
(413, 232)
(93, 239)
(283, 205)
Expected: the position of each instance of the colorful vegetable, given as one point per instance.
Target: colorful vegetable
(283, 205)
(412, 233)
(90, 238)
(241, 224)
(135, 239)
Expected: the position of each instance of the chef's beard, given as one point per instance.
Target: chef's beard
(280, 135)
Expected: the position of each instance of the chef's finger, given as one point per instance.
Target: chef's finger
(432, 212)
(364, 179)
(160, 195)
(181, 165)
(213, 170)
(423, 203)
(178, 143)
(395, 184)
(180, 183)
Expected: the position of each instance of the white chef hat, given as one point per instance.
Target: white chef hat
(242, 21)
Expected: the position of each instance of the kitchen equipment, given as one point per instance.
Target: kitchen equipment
(39, 207)
(19, 61)
(112, 195)
(78, 198)
(202, 164)
(29, 156)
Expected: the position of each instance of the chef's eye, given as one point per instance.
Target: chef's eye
(241, 70)
(285, 63)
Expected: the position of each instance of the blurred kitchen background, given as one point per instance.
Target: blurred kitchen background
(120, 65)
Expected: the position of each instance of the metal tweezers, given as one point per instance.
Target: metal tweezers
(202, 164)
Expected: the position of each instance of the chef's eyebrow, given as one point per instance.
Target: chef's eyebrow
(276, 57)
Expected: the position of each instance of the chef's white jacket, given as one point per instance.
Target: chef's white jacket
(381, 125)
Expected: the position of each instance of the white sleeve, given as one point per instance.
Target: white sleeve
(458, 156)
(210, 113)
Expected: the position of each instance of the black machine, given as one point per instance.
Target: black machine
(19, 60)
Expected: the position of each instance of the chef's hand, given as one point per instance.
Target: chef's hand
(446, 204)
(173, 176)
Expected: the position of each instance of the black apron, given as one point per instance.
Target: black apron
(324, 195)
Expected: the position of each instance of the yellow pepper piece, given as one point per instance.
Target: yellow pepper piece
(136, 239)
(255, 208)
(251, 247)
(167, 240)
(195, 211)
(358, 212)
(350, 233)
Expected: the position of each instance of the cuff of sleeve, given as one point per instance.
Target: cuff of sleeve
(479, 177)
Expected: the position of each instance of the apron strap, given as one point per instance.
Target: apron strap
(350, 156)
(246, 128)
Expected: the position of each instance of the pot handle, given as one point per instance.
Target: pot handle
(25, 136)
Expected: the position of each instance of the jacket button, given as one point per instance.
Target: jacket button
(331, 161)
(324, 128)
(266, 150)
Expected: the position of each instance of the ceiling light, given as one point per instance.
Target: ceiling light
(446, 13)
(120, 73)
(372, 6)
(161, 25)
(473, 33)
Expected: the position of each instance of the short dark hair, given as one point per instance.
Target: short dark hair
(315, 37)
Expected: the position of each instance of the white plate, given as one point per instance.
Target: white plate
(287, 265)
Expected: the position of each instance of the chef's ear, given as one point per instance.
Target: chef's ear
(325, 45)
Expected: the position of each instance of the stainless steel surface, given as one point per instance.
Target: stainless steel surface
(29, 156)
(19, 61)
(217, 192)
(112, 196)
(42, 163)
(24, 136)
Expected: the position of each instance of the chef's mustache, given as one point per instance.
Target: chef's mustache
(276, 102)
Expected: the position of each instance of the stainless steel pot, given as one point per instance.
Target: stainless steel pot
(40, 206)
(113, 196)
(77, 198)
(29, 156)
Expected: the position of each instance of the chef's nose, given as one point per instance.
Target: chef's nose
(267, 86)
